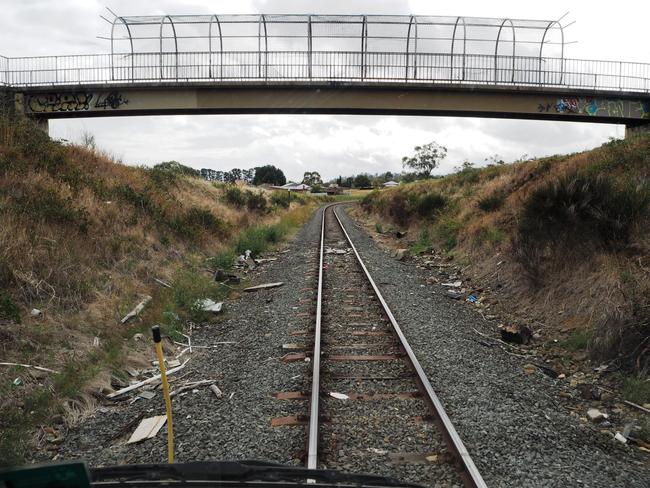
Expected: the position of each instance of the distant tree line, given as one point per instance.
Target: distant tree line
(267, 174)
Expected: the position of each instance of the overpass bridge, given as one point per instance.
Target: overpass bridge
(352, 64)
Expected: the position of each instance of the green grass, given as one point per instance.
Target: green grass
(492, 203)
(636, 389)
(489, 235)
(577, 341)
(423, 244)
(379, 228)
(447, 231)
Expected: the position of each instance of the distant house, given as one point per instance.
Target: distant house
(291, 186)
(390, 184)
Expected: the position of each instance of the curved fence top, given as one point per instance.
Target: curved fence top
(307, 33)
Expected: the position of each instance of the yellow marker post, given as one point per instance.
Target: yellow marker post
(168, 402)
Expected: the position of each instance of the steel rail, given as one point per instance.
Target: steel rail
(469, 472)
(312, 449)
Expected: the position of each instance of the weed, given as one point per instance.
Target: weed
(492, 202)
(447, 231)
(255, 201)
(423, 243)
(47, 205)
(636, 389)
(491, 235)
(223, 259)
(8, 309)
(578, 340)
(379, 228)
(188, 287)
(281, 199)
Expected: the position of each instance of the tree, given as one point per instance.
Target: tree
(426, 158)
(312, 178)
(269, 174)
(362, 181)
(177, 168)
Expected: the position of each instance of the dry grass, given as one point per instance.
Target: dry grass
(82, 239)
(570, 234)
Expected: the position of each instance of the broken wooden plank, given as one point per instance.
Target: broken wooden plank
(40, 368)
(140, 384)
(133, 313)
(147, 429)
(264, 286)
(161, 282)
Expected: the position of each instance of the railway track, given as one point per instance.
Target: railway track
(372, 408)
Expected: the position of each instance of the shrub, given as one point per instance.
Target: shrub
(280, 199)
(234, 196)
(194, 222)
(223, 259)
(430, 203)
(492, 202)
(587, 208)
(189, 286)
(447, 231)
(255, 202)
(47, 205)
(423, 243)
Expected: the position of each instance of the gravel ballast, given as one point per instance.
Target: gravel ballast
(511, 423)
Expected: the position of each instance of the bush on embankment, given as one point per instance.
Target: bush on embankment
(569, 234)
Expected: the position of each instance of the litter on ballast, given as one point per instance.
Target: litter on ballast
(265, 260)
(264, 286)
(339, 396)
(376, 451)
(454, 295)
(620, 438)
(208, 305)
(472, 299)
(140, 384)
(147, 394)
(519, 334)
(133, 313)
(453, 284)
(147, 428)
(292, 347)
(215, 389)
(334, 250)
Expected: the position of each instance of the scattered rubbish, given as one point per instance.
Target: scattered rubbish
(35, 312)
(173, 363)
(472, 299)
(453, 284)
(265, 260)
(138, 337)
(208, 305)
(596, 415)
(453, 294)
(133, 313)
(432, 458)
(191, 386)
(40, 368)
(530, 368)
(339, 396)
(132, 372)
(140, 384)
(162, 283)
(233, 279)
(589, 392)
(17, 382)
(377, 451)
(264, 286)
(147, 394)
(215, 389)
(96, 342)
(519, 334)
(333, 250)
(400, 254)
(231, 395)
(292, 346)
(399, 234)
(246, 259)
(620, 437)
(220, 275)
(147, 428)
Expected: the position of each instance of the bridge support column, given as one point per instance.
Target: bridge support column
(631, 130)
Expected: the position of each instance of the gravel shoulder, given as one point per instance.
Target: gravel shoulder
(513, 426)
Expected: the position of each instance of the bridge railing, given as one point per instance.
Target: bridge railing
(350, 66)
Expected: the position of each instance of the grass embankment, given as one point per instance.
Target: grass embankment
(564, 242)
(83, 239)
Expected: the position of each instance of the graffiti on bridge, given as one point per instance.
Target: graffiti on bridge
(75, 102)
(603, 107)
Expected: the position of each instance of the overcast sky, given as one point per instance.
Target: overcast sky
(332, 145)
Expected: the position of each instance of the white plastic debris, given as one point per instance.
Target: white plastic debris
(147, 429)
(620, 437)
(453, 284)
(35, 312)
(208, 305)
(339, 396)
(596, 415)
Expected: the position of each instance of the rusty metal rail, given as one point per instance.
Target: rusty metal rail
(468, 470)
